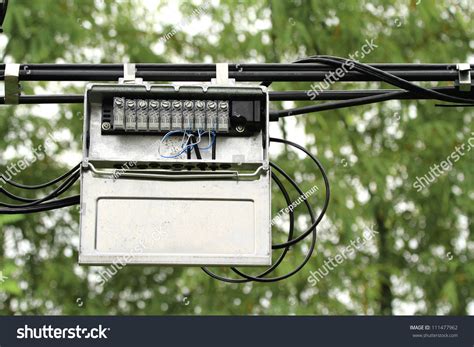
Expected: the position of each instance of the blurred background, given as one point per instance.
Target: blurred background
(421, 258)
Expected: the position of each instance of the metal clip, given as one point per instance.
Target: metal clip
(222, 75)
(464, 71)
(129, 74)
(12, 85)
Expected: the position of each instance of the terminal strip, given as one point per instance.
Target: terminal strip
(142, 115)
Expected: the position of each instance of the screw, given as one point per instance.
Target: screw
(188, 105)
(200, 105)
(165, 104)
(176, 104)
(106, 126)
(212, 105)
(118, 101)
(154, 104)
(142, 103)
(130, 103)
(240, 128)
(223, 105)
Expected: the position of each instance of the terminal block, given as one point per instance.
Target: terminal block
(217, 110)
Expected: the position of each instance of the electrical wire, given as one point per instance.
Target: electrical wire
(58, 191)
(291, 241)
(368, 70)
(3, 13)
(285, 251)
(327, 194)
(48, 206)
(43, 185)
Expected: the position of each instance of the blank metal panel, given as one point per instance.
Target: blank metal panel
(215, 222)
(162, 226)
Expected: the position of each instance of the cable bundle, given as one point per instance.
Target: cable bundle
(46, 203)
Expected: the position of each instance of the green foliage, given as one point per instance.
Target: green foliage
(422, 257)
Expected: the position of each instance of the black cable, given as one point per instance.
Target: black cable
(383, 76)
(214, 146)
(308, 254)
(326, 199)
(289, 95)
(3, 14)
(15, 197)
(315, 222)
(61, 189)
(275, 115)
(285, 251)
(196, 147)
(43, 185)
(48, 206)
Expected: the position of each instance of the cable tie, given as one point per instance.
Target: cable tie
(464, 77)
(129, 74)
(222, 75)
(12, 85)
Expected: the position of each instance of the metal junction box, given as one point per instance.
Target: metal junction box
(175, 175)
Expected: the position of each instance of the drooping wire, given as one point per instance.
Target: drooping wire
(285, 251)
(43, 185)
(291, 241)
(367, 70)
(55, 193)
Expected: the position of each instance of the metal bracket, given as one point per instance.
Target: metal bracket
(129, 71)
(222, 75)
(12, 85)
(464, 71)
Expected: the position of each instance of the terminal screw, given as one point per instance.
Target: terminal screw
(212, 105)
(188, 105)
(200, 105)
(106, 126)
(223, 105)
(166, 105)
(154, 104)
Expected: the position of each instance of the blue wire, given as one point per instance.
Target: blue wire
(213, 134)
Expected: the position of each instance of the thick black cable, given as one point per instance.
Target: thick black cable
(61, 189)
(48, 206)
(43, 185)
(385, 77)
(290, 95)
(15, 197)
(275, 115)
